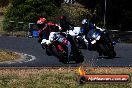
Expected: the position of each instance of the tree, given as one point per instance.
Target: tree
(4, 3)
(118, 12)
(30, 10)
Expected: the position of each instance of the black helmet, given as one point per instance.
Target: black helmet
(62, 17)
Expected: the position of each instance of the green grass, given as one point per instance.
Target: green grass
(54, 78)
(1, 25)
(15, 33)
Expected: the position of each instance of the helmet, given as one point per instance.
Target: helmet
(84, 21)
(41, 22)
(62, 17)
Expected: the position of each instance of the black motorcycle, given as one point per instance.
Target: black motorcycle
(100, 43)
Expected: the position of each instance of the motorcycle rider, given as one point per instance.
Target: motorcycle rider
(66, 26)
(45, 37)
(88, 24)
(46, 27)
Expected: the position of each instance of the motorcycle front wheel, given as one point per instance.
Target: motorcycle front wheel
(112, 54)
(81, 42)
(107, 51)
(79, 57)
(62, 56)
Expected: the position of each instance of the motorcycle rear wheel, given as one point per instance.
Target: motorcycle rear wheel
(112, 54)
(79, 57)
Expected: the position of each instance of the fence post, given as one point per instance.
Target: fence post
(1, 26)
(11, 26)
(20, 25)
(30, 29)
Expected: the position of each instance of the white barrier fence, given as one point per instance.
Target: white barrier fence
(114, 33)
(118, 30)
(16, 28)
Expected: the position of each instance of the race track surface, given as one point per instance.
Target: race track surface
(31, 47)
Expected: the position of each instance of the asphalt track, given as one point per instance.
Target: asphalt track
(31, 47)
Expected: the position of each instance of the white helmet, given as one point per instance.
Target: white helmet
(84, 21)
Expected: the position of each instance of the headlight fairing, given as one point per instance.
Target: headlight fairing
(93, 42)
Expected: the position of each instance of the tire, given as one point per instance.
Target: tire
(43, 46)
(61, 56)
(64, 61)
(79, 57)
(102, 49)
(54, 50)
(48, 52)
(112, 54)
(108, 51)
(82, 43)
(80, 60)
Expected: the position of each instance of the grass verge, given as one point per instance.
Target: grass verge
(56, 78)
(1, 25)
(16, 33)
(6, 55)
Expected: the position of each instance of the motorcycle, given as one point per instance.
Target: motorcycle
(100, 43)
(59, 48)
(77, 34)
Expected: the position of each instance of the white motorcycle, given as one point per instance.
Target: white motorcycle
(79, 38)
